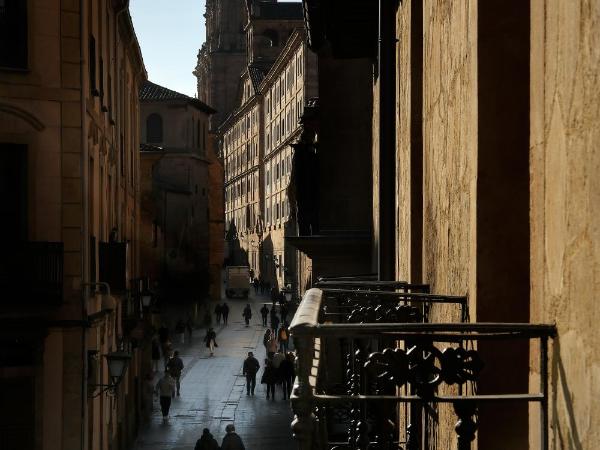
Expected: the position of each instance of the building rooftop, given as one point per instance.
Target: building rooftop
(152, 92)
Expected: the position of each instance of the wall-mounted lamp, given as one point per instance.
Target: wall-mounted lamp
(117, 366)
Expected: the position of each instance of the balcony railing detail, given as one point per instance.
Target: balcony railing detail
(34, 271)
(388, 355)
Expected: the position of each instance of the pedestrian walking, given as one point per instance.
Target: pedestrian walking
(264, 312)
(283, 312)
(232, 441)
(272, 345)
(250, 370)
(274, 319)
(218, 312)
(274, 295)
(266, 339)
(165, 388)
(180, 331)
(247, 314)
(269, 378)
(287, 372)
(155, 354)
(283, 338)
(255, 283)
(148, 396)
(261, 284)
(211, 340)
(225, 311)
(175, 367)
(206, 441)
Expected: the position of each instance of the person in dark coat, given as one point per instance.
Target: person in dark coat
(269, 377)
(232, 441)
(283, 311)
(250, 369)
(264, 312)
(218, 312)
(175, 367)
(225, 311)
(247, 314)
(206, 441)
(255, 283)
(261, 283)
(274, 295)
(274, 319)
(211, 340)
(287, 372)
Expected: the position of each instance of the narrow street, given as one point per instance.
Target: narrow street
(213, 393)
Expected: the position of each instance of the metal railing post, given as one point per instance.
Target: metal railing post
(303, 405)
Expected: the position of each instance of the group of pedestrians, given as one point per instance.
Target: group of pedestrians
(222, 311)
(261, 286)
(277, 370)
(231, 440)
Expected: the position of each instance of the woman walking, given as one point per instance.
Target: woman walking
(211, 340)
(272, 345)
(269, 378)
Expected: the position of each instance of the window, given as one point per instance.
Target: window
(154, 129)
(13, 34)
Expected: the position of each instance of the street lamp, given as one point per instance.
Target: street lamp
(117, 366)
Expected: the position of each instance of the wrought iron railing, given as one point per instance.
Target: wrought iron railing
(32, 273)
(362, 353)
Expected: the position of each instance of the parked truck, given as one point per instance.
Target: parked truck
(237, 282)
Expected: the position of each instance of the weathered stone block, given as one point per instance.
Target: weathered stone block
(71, 114)
(71, 190)
(70, 75)
(71, 165)
(70, 49)
(71, 140)
(69, 24)
(72, 215)
(71, 238)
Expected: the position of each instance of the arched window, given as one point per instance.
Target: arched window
(154, 129)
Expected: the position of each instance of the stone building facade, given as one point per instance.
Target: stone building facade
(257, 153)
(175, 140)
(484, 143)
(69, 115)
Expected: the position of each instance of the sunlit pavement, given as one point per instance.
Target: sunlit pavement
(213, 393)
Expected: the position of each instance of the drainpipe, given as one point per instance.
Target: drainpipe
(85, 207)
(387, 138)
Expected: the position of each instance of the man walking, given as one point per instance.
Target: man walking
(206, 441)
(283, 337)
(247, 314)
(166, 390)
(274, 320)
(175, 367)
(232, 441)
(250, 369)
(264, 312)
(225, 311)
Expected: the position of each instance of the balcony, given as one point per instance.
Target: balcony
(33, 273)
(372, 364)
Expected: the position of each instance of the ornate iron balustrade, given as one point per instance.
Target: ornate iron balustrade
(395, 363)
(33, 274)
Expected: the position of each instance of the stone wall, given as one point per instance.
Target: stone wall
(565, 216)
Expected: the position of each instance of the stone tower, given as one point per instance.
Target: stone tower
(222, 57)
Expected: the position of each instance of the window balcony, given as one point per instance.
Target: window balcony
(373, 368)
(33, 272)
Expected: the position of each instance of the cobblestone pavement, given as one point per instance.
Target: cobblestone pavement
(213, 393)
